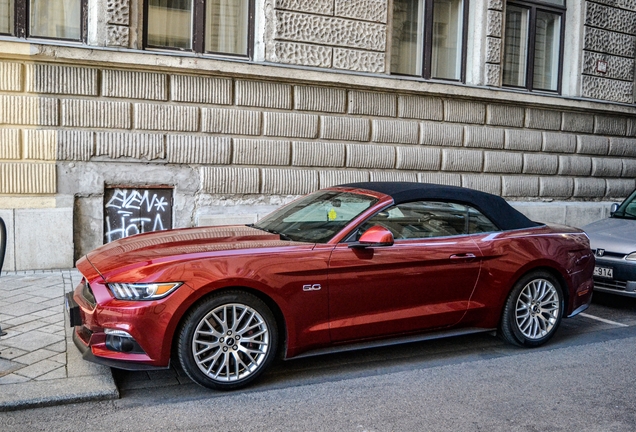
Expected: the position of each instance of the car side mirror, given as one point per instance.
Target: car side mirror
(614, 207)
(373, 237)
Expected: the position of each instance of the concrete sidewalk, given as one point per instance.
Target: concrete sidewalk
(39, 364)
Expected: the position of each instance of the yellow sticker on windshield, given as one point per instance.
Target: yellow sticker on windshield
(332, 215)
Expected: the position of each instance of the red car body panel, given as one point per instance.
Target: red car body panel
(324, 294)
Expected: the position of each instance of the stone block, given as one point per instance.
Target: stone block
(622, 147)
(322, 99)
(200, 89)
(38, 232)
(366, 10)
(610, 125)
(505, 115)
(450, 179)
(166, 117)
(607, 89)
(40, 144)
(462, 160)
(606, 167)
(540, 163)
(289, 181)
(556, 187)
(542, 212)
(74, 145)
(503, 162)
(358, 60)
(27, 178)
(620, 68)
(559, 142)
(458, 111)
(134, 85)
(493, 75)
(420, 107)
(302, 54)
(575, 165)
(493, 50)
(495, 4)
(392, 176)
(226, 180)
(629, 168)
(96, 114)
(589, 187)
(22, 110)
(619, 188)
(609, 42)
(222, 220)
(376, 104)
(10, 76)
(47, 78)
(261, 152)
(10, 144)
(441, 134)
(484, 137)
(322, 7)
(263, 94)
(118, 12)
(520, 186)
(418, 158)
(116, 145)
(370, 156)
(578, 122)
(591, 144)
(293, 125)
(395, 131)
(543, 119)
(345, 128)
(318, 154)
(9, 256)
(631, 127)
(322, 30)
(610, 18)
(581, 214)
(483, 182)
(523, 140)
(190, 149)
(494, 21)
(117, 36)
(231, 121)
(339, 177)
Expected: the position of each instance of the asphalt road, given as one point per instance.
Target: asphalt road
(583, 380)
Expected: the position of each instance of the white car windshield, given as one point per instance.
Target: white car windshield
(627, 209)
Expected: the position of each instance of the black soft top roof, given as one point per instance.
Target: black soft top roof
(492, 206)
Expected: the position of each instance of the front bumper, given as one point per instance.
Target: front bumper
(624, 280)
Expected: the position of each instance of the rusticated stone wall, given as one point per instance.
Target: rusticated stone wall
(340, 34)
(494, 33)
(610, 37)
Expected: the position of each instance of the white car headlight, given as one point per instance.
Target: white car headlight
(631, 256)
(142, 291)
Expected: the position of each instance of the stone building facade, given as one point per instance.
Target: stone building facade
(313, 103)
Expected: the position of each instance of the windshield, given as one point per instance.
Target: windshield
(316, 218)
(627, 209)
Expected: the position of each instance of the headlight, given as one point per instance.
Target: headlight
(631, 256)
(142, 291)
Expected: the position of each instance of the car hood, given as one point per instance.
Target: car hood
(613, 235)
(162, 247)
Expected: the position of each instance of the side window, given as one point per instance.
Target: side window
(425, 219)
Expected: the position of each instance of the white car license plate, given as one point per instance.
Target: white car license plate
(605, 272)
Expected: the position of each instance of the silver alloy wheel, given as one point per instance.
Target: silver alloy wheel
(230, 342)
(537, 309)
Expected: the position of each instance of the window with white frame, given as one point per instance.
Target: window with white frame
(49, 19)
(429, 38)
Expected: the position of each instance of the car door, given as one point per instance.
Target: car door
(423, 281)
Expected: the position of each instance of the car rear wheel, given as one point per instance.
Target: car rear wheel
(227, 341)
(533, 310)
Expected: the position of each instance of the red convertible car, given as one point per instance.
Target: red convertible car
(347, 267)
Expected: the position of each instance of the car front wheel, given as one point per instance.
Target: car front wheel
(533, 310)
(227, 341)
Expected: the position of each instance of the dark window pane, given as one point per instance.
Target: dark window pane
(56, 19)
(6, 16)
(448, 21)
(408, 37)
(227, 24)
(516, 46)
(546, 51)
(170, 23)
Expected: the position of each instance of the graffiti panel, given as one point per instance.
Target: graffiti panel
(134, 211)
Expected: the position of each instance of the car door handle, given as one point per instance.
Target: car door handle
(465, 257)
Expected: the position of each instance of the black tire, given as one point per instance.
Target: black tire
(227, 341)
(533, 310)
